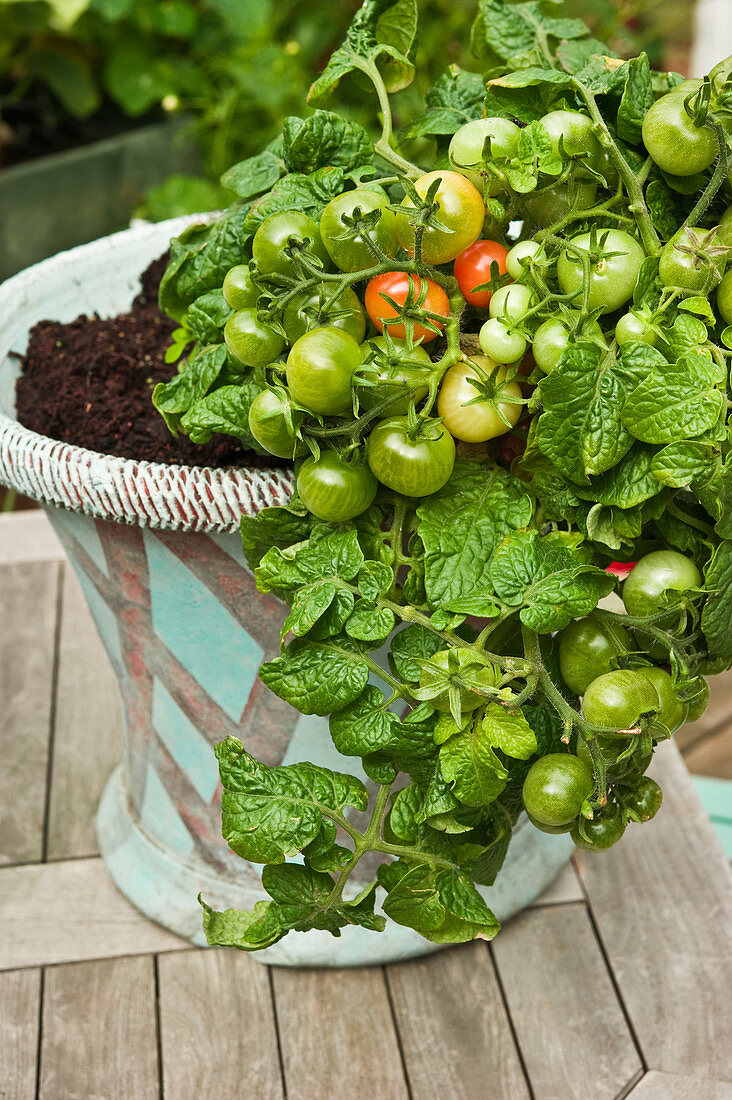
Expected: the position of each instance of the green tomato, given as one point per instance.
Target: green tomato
(673, 712)
(501, 343)
(459, 208)
(335, 490)
(468, 143)
(396, 365)
(724, 298)
(320, 367)
(273, 235)
(601, 832)
(612, 277)
(632, 328)
(617, 700)
(693, 273)
(643, 800)
(553, 829)
(510, 303)
(550, 204)
(700, 701)
(555, 788)
(573, 129)
(306, 311)
(415, 465)
(270, 422)
(519, 257)
(656, 577)
(240, 290)
(674, 141)
(251, 342)
(553, 336)
(462, 664)
(588, 649)
(349, 252)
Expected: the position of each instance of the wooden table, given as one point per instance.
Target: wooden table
(617, 982)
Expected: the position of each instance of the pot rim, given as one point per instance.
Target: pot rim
(148, 494)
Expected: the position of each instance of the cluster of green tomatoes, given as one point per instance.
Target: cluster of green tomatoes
(390, 330)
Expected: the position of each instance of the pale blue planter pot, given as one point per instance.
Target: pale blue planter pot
(157, 551)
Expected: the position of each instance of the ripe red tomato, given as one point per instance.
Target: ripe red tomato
(473, 268)
(396, 285)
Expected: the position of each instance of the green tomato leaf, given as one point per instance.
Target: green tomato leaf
(580, 428)
(676, 402)
(470, 766)
(442, 905)
(225, 410)
(280, 526)
(679, 464)
(336, 556)
(254, 176)
(317, 677)
(409, 647)
(303, 899)
(194, 379)
(509, 732)
(516, 30)
(365, 726)
(296, 191)
(456, 98)
(269, 813)
(717, 613)
(369, 623)
(460, 525)
(382, 34)
(200, 258)
(206, 317)
(637, 98)
(325, 139)
(631, 482)
(534, 156)
(248, 931)
(548, 582)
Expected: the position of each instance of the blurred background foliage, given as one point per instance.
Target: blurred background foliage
(75, 70)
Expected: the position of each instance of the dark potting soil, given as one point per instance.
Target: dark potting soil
(90, 382)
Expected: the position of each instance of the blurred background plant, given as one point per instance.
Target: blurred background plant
(72, 71)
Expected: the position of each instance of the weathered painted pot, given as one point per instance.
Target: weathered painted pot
(157, 551)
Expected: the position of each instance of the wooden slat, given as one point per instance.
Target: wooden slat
(27, 537)
(570, 1027)
(712, 755)
(20, 993)
(337, 1035)
(26, 674)
(661, 901)
(665, 1086)
(99, 1036)
(217, 1028)
(717, 714)
(455, 1035)
(60, 912)
(88, 735)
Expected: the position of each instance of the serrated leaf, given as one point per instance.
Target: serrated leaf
(676, 402)
(325, 139)
(253, 176)
(411, 646)
(580, 428)
(637, 98)
(454, 99)
(317, 677)
(368, 623)
(269, 813)
(471, 768)
(717, 613)
(679, 464)
(548, 582)
(461, 524)
(442, 905)
(509, 732)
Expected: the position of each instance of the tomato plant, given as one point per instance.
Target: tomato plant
(461, 518)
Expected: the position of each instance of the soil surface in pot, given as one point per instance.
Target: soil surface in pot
(90, 382)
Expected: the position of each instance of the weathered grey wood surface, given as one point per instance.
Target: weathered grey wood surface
(616, 983)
